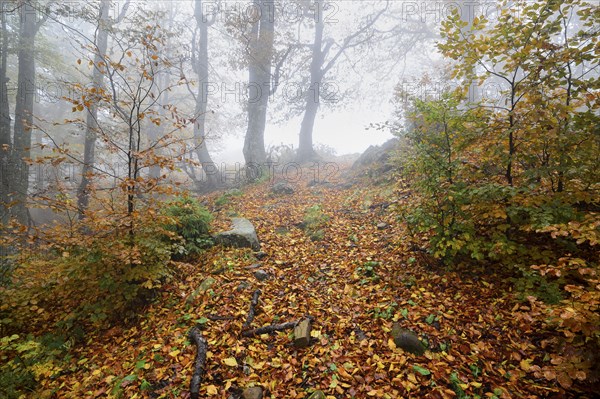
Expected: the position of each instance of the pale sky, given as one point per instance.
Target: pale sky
(345, 131)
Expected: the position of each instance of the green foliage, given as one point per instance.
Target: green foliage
(192, 223)
(534, 284)
(514, 181)
(225, 198)
(120, 274)
(314, 221)
(437, 169)
(6, 269)
(386, 312)
(369, 268)
(222, 200)
(369, 271)
(421, 370)
(15, 382)
(455, 383)
(27, 360)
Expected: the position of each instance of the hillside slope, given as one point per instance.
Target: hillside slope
(355, 277)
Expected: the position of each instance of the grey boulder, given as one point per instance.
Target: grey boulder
(243, 235)
(282, 188)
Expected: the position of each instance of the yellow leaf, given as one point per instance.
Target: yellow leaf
(391, 344)
(258, 366)
(525, 364)
(211, 390)
(174, 353)
(231, 362)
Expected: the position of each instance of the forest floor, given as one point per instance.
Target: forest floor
(355, 282)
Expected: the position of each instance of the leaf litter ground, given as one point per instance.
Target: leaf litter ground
(354, 282)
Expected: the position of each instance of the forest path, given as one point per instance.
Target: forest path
(355, 281)
(356, 278)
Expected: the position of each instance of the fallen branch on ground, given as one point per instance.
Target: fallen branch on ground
(269, 329)
(252, 311)
(199, 367)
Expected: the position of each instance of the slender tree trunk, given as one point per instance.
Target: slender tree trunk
(259, 85)
(156, 132)
(5, 121)
(305, 151)
(201, 69)
(26, 92)
(305, 148)
(511, 137)
(83, 192)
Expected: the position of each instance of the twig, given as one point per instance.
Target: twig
(252, 311)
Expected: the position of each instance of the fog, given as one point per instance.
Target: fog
(167, 90)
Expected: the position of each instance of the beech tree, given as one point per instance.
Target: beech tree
(260, 60)
(544, 62)
(5, 119)
(200, 66)
(29, 25)
(513, 179)
(325, 54)
(100, 47)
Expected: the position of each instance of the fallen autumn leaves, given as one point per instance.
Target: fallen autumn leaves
(356, 282)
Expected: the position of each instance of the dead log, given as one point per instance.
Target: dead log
(199, 367)
(269, 329)
(252, 311)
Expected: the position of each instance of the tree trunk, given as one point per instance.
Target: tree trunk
(26, 92)
(156, 132)
(319, 68)
(83, 194)
(5, 122)
(305, 148)
(259, 86)
(201, 68)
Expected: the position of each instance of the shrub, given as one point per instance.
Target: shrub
(27, 360)
(192, 223)
(440, 140)
(99, 269)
